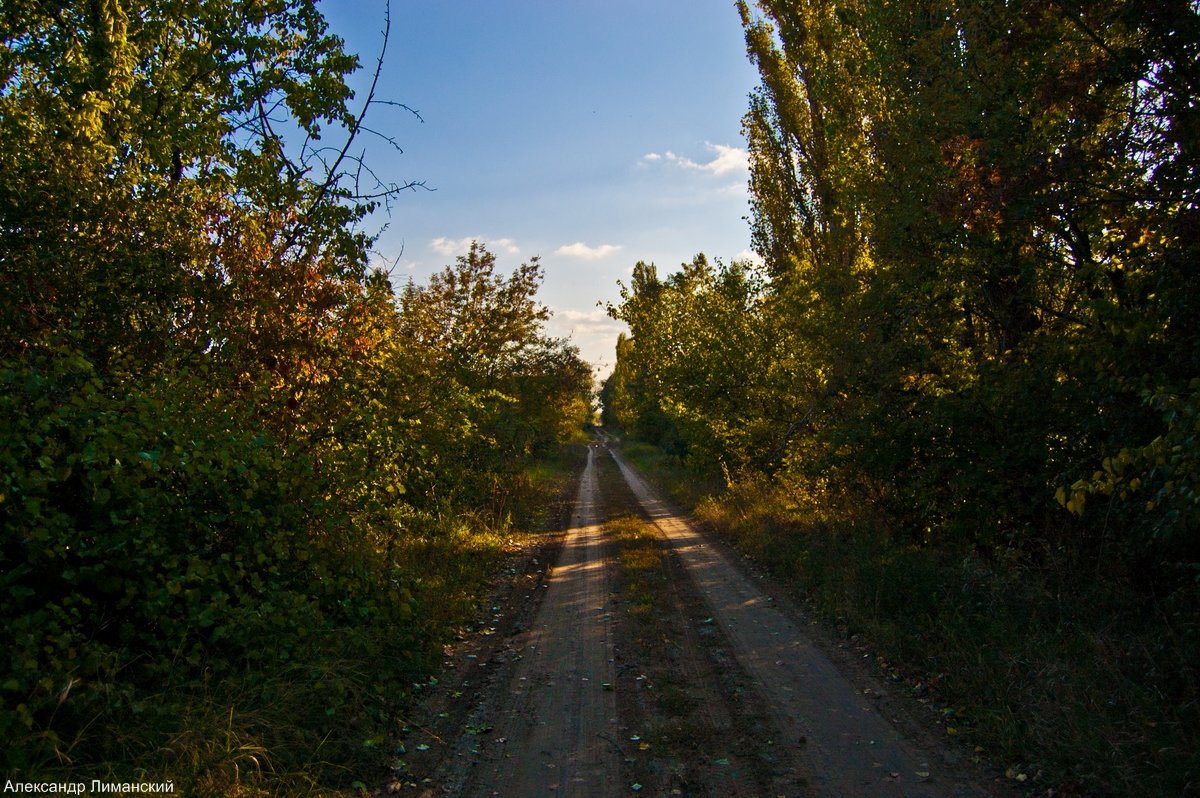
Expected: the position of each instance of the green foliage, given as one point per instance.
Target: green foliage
(696, 375)
(509, 392)
(243, 501)
(152, 537)
(972, 220)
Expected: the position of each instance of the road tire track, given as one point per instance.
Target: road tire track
(693, 724)
(553, 733)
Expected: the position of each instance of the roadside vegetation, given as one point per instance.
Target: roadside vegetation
(956, 404)
(247, 488)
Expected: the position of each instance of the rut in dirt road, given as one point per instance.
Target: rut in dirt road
(846, 748)
(553, 734)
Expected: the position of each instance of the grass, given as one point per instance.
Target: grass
(1066, 680)
(640, 566)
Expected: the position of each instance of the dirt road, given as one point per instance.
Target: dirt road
(555, 728)
(648, 662)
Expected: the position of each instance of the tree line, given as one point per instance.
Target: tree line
(223, 433)
(974, 329)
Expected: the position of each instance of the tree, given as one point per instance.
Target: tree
(507, 391)
(696, 371)
(947, 199)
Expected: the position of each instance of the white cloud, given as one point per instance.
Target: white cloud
(725, 159)
(593, 331)
(448, 246)
(598, 324)
(586, 252)
(596, 316)
(750, 255)
(729, 159)
(451, 247)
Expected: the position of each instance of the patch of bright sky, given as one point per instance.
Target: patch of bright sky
(592, 133)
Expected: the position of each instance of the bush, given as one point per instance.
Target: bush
(155, 537)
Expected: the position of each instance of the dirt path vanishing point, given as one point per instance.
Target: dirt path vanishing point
(847, 748)
(554, 733)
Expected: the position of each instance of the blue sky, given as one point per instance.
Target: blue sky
(594, 133)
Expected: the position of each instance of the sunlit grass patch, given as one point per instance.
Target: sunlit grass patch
(639, 552)
(640, 565)
(642, 558)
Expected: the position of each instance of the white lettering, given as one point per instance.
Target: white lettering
(132, 787)
(45, 786)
